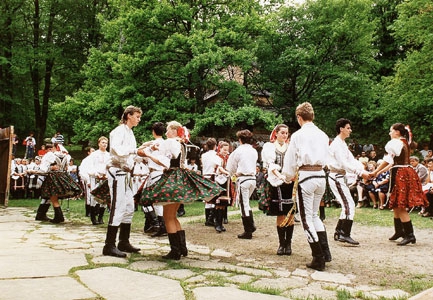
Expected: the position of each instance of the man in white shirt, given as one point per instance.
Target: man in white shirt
(242, 163)
(308, 153)
(342, 162)
(123, 150)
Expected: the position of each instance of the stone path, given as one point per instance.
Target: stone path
(47, 261)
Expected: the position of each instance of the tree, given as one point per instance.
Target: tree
(167, 57)
(408, 94)
(319, 52)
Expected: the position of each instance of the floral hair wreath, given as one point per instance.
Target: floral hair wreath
(183, 134)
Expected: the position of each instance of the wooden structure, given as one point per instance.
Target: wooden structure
(5, 163)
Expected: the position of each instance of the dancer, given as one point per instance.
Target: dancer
(177, 185)
(307, 155)
(213, 170)
(280, 201)
(123, 150)
(406, 189)
(57, 182)
(94, 172)
(342, 161)
(242, 164)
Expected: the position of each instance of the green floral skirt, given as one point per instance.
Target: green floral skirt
(61, 184)
(180, 185)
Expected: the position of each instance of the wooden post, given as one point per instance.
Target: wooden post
(5, 163)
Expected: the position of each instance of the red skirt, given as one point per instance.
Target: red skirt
(407, 190)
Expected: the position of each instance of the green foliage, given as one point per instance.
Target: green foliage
(407, 95)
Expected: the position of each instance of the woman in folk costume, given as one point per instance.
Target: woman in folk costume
(279, 197)
(406, 189)
(212, 161)
(177, 185)
(57, 183)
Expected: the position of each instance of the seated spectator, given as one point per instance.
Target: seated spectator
(373, 156)
(363, 157)
(428, 190)
(379, 189)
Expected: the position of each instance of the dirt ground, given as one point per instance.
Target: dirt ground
(376, 261)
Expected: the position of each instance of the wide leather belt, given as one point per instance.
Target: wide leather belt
(311, 168)
(338, 171)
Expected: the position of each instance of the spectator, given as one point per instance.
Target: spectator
(363, 157)
(30, 146)
(373, 156)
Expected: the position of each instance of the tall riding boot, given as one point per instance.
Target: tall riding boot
(252, 224)
(101, 215)
(210, 215)
(110, 243)
(58, 216)
(88, 210)
(323, 241)
(318, 262)
(181, 210)
(345, 236)
(93, 210)
(153, 222)
(124, 244)
(338, 230)
(289, 235)
(41, 214)
(398, 227)
(322, 214)
(282, 240)
(175, 247)
(248, 233)
(219, 221)
(182, 243)
(409, 237)
(225, 217)
(161, 229)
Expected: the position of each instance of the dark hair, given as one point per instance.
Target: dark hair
(341, 123)
(402, 129)
(245, 136)
(158, 128)
(211, 143)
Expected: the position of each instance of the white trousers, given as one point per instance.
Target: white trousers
(342, 193)
(245, 188)
(311, 187)
(122, 203)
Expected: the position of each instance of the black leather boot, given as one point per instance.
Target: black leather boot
(252, 224)
(210, 215)
(289, 235)
(151, 221)
(247, 234)
(182, 243)
(318, 262)
(181, 210)
(323, 241)
(93, 211)
(225, 217)
(124, 244)
(161, 229)
(101, 215)
(110, 248)
(282, 240)
(338, 229)
(41, 214)
(322, 213)
(88, 210)
(58, 216)
(399, 232)
(174, 246)
(409, 237)
(219, 221)
(345, 236)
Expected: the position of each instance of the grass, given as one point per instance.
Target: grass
(74, 211)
